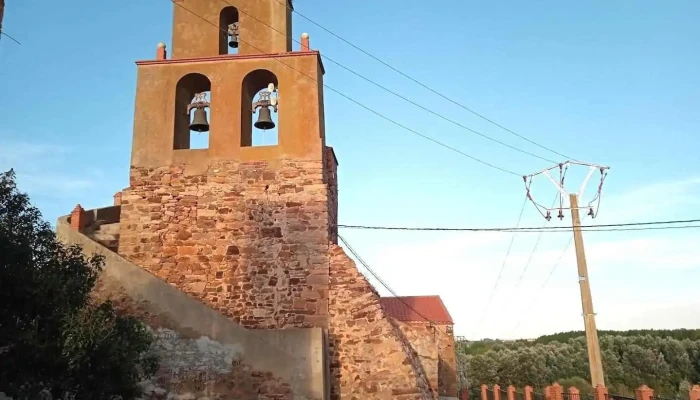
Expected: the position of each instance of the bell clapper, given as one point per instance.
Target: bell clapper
(266, 100)
(199, 122)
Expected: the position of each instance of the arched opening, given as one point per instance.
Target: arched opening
(255, 89)
(228, 31)
(192, 112)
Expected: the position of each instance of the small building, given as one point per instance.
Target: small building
(429, 327)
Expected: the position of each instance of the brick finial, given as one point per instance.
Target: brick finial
(305, 42)
(600, 392)
(77, 217)
(548, 392)
(695, 392)
(528, 392)
(484, 392)
(574, 393)
(118, 199)
(557, 392)
(511, 392)
(644, 392)
(161, 52)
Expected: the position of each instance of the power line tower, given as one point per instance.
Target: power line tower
(594, 357)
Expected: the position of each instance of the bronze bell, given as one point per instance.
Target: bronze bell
(264, 119)
(199, 122)
(233, 41)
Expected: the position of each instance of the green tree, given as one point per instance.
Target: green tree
(665, 363)
(53, 337)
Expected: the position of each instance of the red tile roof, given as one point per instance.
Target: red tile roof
(404, 309)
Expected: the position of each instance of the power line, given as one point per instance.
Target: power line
(11, 38)
(594, 228)
(434, 91)
(398, 94)
(500, 272)
(357, 102)
(544, 284)
(529, 259)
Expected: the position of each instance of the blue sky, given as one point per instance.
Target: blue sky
(613, 83)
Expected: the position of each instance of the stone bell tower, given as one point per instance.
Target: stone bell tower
(241, 226)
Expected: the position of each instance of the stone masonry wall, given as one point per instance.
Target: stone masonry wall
(192, 366)
(331, 173)
(424, 342)
(448, 383)
(370, 357)
(436, 347)
(248, 239)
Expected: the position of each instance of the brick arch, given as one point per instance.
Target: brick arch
(186, 88)
(253, 82)
(228, 15)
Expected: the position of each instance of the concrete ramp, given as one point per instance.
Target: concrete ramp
(203, 353)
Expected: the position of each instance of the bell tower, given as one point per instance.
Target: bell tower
(201, 27)
(243, 226)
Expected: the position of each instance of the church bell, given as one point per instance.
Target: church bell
(264, 119)
(199, 122)
(233, 41)
(233, 35)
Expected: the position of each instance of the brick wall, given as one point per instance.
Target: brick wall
(331, 174)
(249, 239)
(194, 366)
(424, 342)
(370, 357)
(203, 354)
(448, 383)
(2, 12)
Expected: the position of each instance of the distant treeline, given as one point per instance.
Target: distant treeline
(481, 346)
(666, 360)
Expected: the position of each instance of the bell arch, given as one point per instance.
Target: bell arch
(255, 82)
(187, 87)
(228, 30)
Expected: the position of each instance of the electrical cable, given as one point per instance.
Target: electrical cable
(500, 272)
(383, 283)
(593, 228)
(544, 284)
(359, 103)
(434, 91)
(397, 94)
(11, 38)
(529, 259)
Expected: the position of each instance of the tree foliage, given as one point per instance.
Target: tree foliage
(53, 337)
(663, 360)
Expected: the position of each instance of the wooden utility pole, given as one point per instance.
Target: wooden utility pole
(594, 358)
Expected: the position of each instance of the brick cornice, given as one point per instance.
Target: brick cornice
(225, 57)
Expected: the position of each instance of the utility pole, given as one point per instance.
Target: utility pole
(592, 343)
(594, 358)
